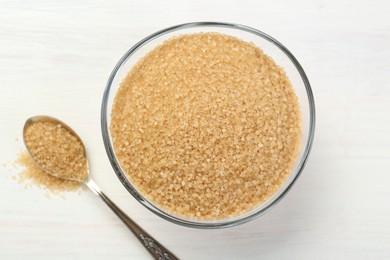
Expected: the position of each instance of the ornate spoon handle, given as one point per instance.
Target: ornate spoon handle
(157, 250)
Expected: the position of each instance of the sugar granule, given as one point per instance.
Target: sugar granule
(31, 173)
(56, 150)
(206, 126)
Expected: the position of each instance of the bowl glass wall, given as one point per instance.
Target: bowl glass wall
(271, 47)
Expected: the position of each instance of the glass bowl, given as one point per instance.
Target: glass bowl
(281, 55)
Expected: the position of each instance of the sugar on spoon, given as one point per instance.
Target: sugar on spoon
(59, 151)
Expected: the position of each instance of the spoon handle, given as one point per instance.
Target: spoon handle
(157, 250)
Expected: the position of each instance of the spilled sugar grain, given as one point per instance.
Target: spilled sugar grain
(58, 151)
(31, 174)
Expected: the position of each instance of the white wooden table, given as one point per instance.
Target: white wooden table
(55, 58)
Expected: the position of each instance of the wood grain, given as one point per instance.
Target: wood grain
(55, 58)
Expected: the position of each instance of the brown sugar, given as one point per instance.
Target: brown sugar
(56, 150)
(206, 126)
(32, 173)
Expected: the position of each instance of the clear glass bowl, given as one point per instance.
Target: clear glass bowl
(281, 55)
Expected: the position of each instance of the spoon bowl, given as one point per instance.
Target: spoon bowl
(41, 119)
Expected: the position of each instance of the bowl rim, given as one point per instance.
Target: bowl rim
(121, 175)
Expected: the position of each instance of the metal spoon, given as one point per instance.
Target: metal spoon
(152, 246)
